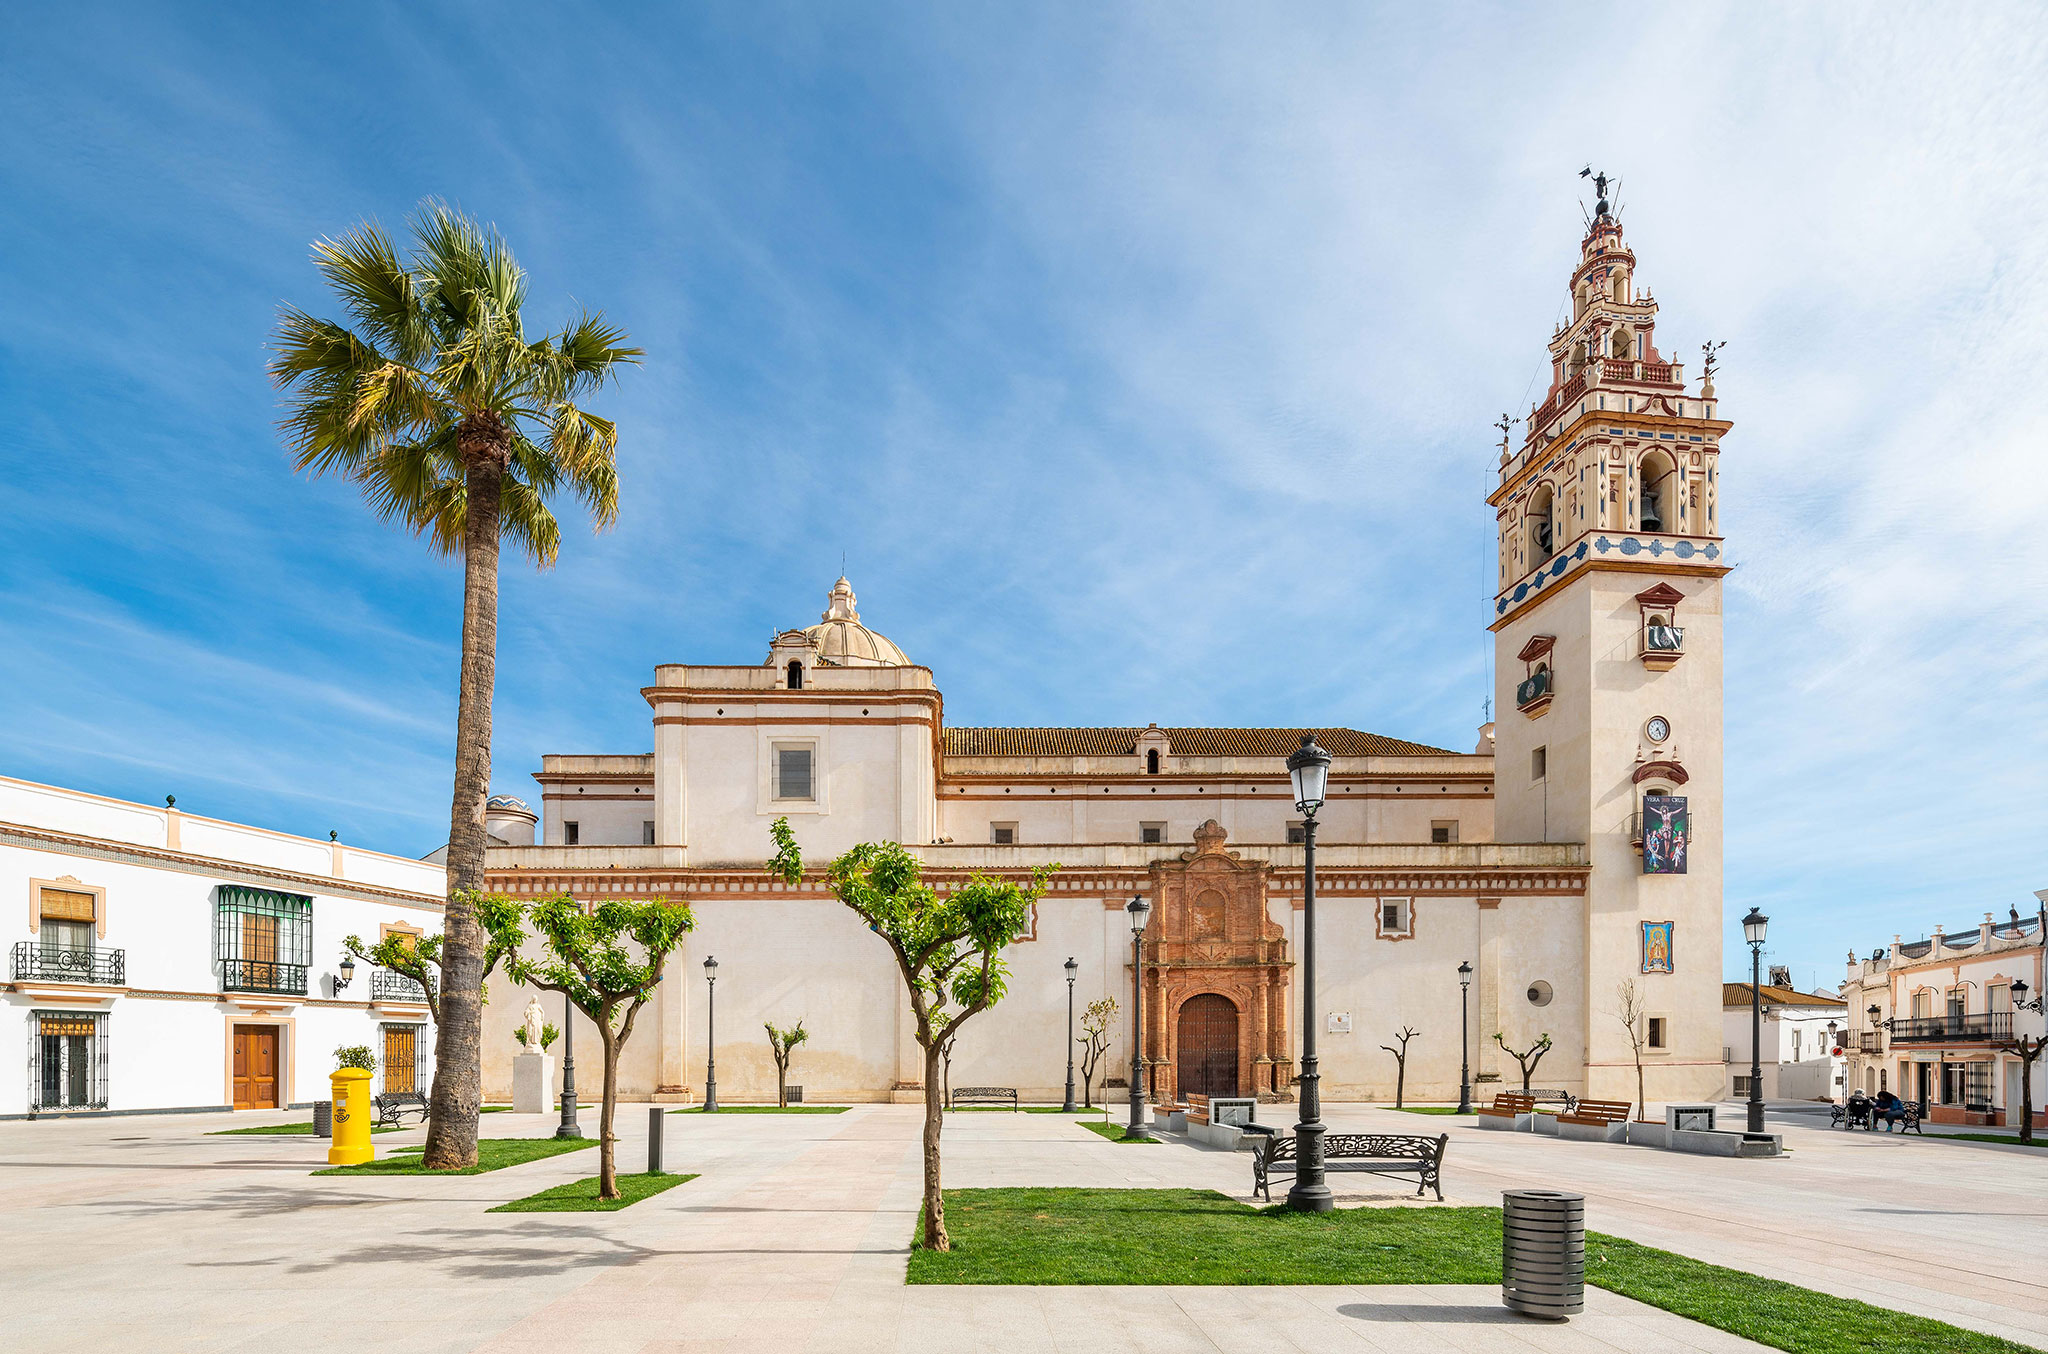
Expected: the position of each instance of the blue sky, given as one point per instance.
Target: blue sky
(1139, 360)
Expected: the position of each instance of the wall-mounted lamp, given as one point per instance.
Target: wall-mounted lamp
(345, 976)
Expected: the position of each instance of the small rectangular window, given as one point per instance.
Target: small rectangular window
(1396, 918)
(572, 834)
(1443, 831)
(1539, 763)
(1151, 834)
(793, 773)
(1297, 834)
(1002, 834)
(1658, 1032)
(647, 832)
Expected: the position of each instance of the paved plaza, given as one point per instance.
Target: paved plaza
(144, 1233)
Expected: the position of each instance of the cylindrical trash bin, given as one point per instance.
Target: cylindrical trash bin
(323, 1118)
(1543, 1252)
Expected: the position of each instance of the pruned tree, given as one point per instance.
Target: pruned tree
(1528, 1057)
(1628, 1010)
(585, 958)
(2028, 1049)
(1400, 1062)
(782, 1043)
(422, 958)
(948, 947)
(1094, 1042)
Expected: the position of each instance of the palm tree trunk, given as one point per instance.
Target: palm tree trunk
(934, 1211)
(458, 1034)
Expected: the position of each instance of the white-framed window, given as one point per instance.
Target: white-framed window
(1002, 834)
(1443, 830)
(1539, 763)
(1151, 834)
(1658, 1038)
(1297, 832)
(1394, 918)
(795, 772)
(67, 1060)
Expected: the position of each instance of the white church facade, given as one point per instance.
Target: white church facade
(1573, 856)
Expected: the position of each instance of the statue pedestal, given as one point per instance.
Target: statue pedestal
(533, 1083)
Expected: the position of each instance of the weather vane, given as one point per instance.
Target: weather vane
(1505, 425)
(1710, 350)
(1599, 188)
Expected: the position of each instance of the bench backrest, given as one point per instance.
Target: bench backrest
(1337, 1146)
(1003, 1093)
(1515, 1102)
(1606, 1111)
(1200, 1102)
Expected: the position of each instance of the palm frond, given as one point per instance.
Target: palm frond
(528, 525)
(364, 269)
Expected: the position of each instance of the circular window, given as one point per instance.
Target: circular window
(1539, 993)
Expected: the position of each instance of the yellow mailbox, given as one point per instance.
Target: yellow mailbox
(351, 1118)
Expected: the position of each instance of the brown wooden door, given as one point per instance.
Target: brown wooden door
(399, 1054)
(256, 1067)
(1205, 1046)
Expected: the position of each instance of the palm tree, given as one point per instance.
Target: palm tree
(452, 421)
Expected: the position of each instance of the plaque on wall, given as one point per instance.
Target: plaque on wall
(1657, 946)
(1340, 1022)
(1667, 831)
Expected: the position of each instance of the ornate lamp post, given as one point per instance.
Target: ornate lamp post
(1139, 910)
(1753, 931)
(568, 1128)
(1309, 769)
(1072, 969)
(1465, 1037)
(711, 1034)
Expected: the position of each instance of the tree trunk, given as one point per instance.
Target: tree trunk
(934, 1210)
(607, 1164)
(458, 1031)
(1642, 1099)
(782, 1085)
(2026, 1098)
(1400, 1078)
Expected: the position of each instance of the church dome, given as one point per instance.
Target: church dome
(842, 641)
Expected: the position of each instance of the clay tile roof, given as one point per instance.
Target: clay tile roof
(1737, 994)
(1276, 743)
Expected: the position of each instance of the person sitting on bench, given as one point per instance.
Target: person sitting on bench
(1890, 1108)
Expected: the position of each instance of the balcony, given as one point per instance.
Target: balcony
(1869, 1041)
(37, 962)
(1985, 1027)
(388, 986)
(1532, 695)
(1663, 646)
(262, 975)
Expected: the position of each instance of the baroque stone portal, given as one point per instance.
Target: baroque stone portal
(1216, 974)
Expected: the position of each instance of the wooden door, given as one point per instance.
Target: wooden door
(256, 1067)
(400, 1053)
(1205, 1046)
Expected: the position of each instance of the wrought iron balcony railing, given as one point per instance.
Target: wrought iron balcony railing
(37, 962)
(262, 975)
(388, 986)
(1983, 1027)
(1869, 1041)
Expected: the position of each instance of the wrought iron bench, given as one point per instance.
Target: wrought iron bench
(392, 1106)
(1373, 1153)
(1564, 1098)
(985, 1095)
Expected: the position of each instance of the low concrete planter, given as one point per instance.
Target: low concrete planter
(1723, 1143)
(1649, 1135)
(1518, 1124)
(1544, 1123)
(1614, 1132)
(1176, 1122)
(1228, 1137)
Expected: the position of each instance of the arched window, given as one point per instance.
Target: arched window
(796, 676)
(1542, 526)
(1152, 761)
(1624, 344)
(1656, 506)
(1621, 287)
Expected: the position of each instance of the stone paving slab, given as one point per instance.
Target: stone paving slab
(143, 1233)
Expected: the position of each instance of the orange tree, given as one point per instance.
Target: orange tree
(948, 948)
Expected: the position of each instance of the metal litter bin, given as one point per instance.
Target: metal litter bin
(323, 1118)
(1543, 1253)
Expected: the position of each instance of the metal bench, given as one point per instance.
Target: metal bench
(985, 1095)
(392, 1106)
(1564, 1098)
(1373, 1153)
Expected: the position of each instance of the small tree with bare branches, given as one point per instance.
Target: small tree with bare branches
(1400, 1062)
(1094, 1041)
(1629, 1011)
(1526, 1058)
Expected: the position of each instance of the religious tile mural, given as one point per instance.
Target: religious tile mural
(1657, 946)
(1667, 831)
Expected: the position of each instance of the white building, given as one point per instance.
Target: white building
(1800, 1044)
(173, 962)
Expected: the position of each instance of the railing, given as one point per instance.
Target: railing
(1617, 369)
(37, 962)
(388, 986)
(1656, 371)
(262, 975)
(1869, 1041)
(1984, 1026)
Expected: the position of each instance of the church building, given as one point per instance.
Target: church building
(1564, 871)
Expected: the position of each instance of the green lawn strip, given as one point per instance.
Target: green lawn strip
(766, 1109)
(1114, 1132)
(290, 1130)
(1028, 1109)
(580, 1196)
(2002, 1139)
(1428, 1109)
(1149, 1236)
(492, 1154)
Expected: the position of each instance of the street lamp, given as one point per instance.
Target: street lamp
(568, 1128)
(1139, 910)
(1753, 931)
(1309, 769)
(1072, 969)
(1465, 1037)
(2019, 997)
(711, 1034)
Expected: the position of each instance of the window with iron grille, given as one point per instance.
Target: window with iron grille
(67, 1060)
(402, 1062)
(264, 940)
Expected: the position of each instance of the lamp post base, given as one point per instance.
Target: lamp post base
(1311, 1192)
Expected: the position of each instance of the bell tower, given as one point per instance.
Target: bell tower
(1607, 626)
